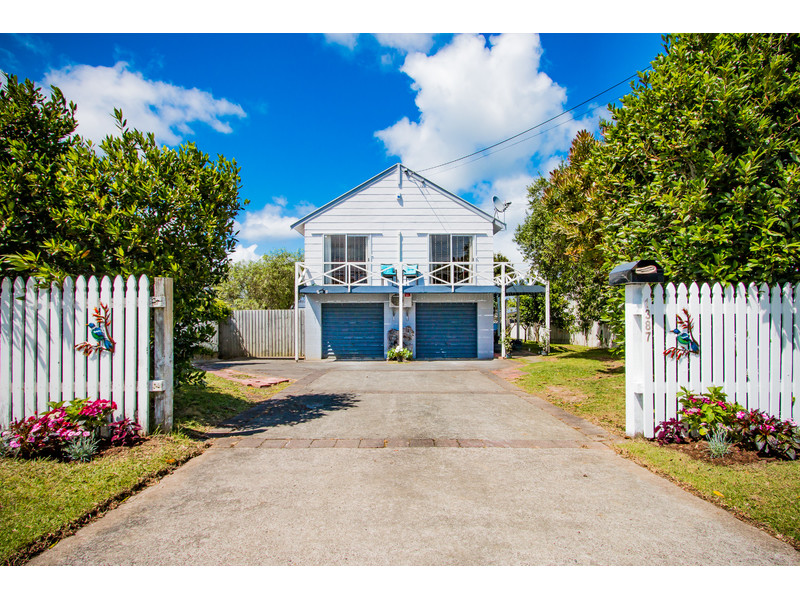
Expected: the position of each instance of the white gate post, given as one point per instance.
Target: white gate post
(503, 309)
(163, 351)
(634, 359)
(547, 317)
(297, 312)
(400, 293)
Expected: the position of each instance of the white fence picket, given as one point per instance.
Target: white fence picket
(56, 333)
(717, 337)
(40, 330)
(5, 353)
(31, 304)
(104, 358)
(143, 357)
(671, 366)
(752, 347)
(740, 336)
(80, 337)
(764, 329)
(786, 353)
(705, 339)
(18, 350)
(92, 362)
(120, 339)
(130, 349)
(42, 350)
(68, 341)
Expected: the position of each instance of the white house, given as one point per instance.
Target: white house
(400, 236)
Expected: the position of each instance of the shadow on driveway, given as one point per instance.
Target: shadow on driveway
(288, 410)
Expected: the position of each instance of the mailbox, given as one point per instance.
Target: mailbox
(638, 271)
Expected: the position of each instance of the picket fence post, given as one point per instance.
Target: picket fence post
(163, 352)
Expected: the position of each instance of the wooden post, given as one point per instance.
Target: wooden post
(163, 351)
(634, 359)
(296, 313)
(547, 317)
(503, 309)
(400, 302)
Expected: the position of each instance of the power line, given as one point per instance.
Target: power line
(627, 79)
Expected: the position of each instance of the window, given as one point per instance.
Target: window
(346, 259)
(450, 258)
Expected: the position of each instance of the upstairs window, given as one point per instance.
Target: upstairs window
(450, 258)
(346, 259)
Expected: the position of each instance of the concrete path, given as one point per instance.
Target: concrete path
(422, 464)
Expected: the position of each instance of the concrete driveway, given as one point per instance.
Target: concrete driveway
(433, 463)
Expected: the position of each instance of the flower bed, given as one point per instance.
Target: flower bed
(723, 425)
(73, 431)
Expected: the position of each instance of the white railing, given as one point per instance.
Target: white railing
(48, 352)
(431, 273)
(744, 339)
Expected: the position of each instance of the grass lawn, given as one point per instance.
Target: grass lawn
(590, 383)
(44, 500)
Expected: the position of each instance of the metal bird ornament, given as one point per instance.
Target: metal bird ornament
(685, 343)
(100, 333)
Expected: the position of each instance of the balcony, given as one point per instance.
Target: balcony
(440, 275)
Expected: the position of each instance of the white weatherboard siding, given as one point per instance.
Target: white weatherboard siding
(399, 228)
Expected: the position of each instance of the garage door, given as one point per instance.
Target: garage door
(352, 330)
(447, 330)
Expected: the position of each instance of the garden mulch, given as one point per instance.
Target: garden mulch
(737, 455)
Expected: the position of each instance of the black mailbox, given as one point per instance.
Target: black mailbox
(638, 271)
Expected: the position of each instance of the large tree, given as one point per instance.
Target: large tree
(562, 232)
(267, 283)
(130, 208)
(700, 166)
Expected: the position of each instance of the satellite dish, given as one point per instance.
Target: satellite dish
(499, 205)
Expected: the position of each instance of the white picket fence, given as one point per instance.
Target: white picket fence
(749, 344)
(40, 328)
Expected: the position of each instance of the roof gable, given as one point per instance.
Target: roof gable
(404, 172)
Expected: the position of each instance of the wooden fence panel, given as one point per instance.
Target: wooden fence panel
(260, 334)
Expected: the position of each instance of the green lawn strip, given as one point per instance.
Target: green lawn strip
(198, 409)
(43, 500)
(587, 382)
(766, 494)
(590, 383)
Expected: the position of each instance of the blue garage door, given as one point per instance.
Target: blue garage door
(352, 330)
(447, 330)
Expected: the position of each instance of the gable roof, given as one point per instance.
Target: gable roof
(408, 173)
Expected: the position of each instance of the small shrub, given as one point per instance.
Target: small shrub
(90, 414)
(399, 354)
(672, 431)
(81, 448)
(702, 414)
(40, 436)
(769, 435)
(718, 443)
(124, 433)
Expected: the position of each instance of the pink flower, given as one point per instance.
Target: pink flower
(14, 443)
(741, 414)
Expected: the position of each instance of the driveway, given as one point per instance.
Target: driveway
(439, 463)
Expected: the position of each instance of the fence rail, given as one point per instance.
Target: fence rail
(259, 334)
(748, 343)
(40, 327)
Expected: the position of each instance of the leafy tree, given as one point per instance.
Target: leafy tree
(267, 283)
(561, 236)
(700, 169)
(131, 208)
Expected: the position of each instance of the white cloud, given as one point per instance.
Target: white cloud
(406, 42)
(267, 224)
(471, 95)
(348, 40)
(152, 106)
(244, 254)
(401, 42)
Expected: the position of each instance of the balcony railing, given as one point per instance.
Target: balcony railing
(352, 274)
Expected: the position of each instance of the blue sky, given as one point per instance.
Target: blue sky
(309, 116)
